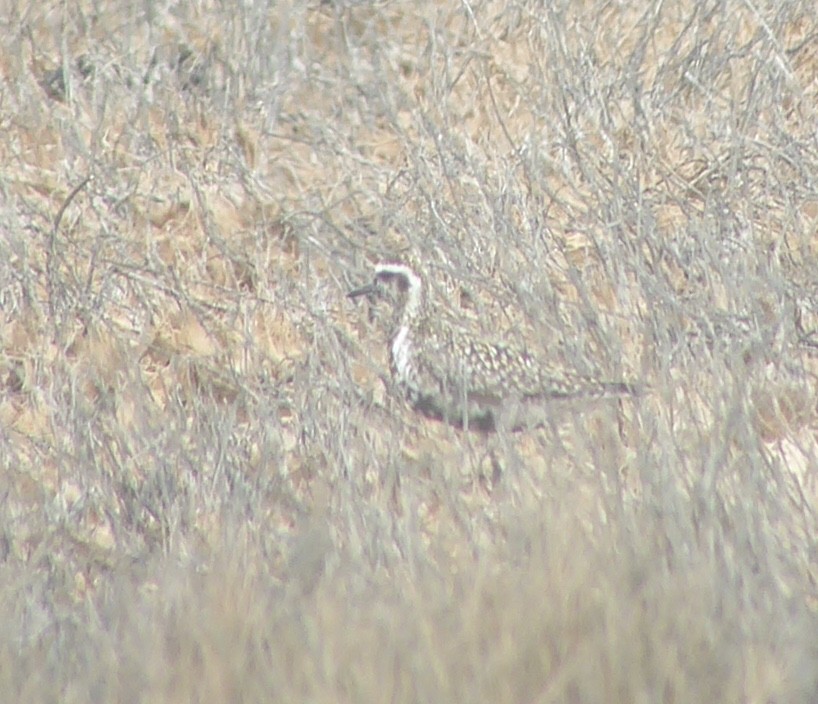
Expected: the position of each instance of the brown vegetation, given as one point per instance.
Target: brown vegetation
(208, 491)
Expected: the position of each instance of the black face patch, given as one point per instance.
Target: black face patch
(379, 296)
(390, 277)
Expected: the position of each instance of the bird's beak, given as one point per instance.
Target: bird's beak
(363, 291)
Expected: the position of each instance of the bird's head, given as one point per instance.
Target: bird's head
(397, 286)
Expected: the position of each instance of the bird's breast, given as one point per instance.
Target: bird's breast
(402, 355)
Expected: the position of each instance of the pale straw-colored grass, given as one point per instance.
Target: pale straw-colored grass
(207, 490)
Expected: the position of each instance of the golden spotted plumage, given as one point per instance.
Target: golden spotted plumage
(450, 375)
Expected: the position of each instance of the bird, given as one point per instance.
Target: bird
(449, 375)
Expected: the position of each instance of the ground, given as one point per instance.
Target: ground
(211, 492)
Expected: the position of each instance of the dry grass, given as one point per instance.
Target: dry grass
(209, 494)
